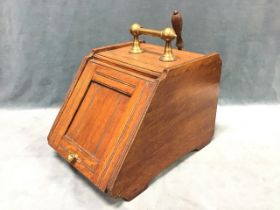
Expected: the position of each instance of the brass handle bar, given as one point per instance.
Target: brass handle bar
(151, 32)
(166, 34)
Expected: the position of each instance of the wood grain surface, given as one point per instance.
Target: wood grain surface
(128, 117)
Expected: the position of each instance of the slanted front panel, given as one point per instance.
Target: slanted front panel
(97, 118)
(96, 124)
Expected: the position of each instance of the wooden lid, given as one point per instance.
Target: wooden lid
(148, 60)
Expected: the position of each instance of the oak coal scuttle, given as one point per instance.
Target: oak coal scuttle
(135, 108)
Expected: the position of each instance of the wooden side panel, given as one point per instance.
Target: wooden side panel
(180, 119)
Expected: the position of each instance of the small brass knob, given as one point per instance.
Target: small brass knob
(72, 157)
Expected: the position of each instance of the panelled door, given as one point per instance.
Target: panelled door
(98, 118)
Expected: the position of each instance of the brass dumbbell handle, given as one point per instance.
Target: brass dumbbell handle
(166, 34)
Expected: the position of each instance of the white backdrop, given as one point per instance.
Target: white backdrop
(239, 169)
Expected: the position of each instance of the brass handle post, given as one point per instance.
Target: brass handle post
(166, 34)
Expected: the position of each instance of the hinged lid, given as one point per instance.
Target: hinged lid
(148, 61)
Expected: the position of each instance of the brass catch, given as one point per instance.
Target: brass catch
(72, 157)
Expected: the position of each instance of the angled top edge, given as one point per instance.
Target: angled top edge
(148, 61)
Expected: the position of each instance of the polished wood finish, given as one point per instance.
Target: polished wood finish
(127, 117)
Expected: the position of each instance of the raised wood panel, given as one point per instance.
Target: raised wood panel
(97, 118)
